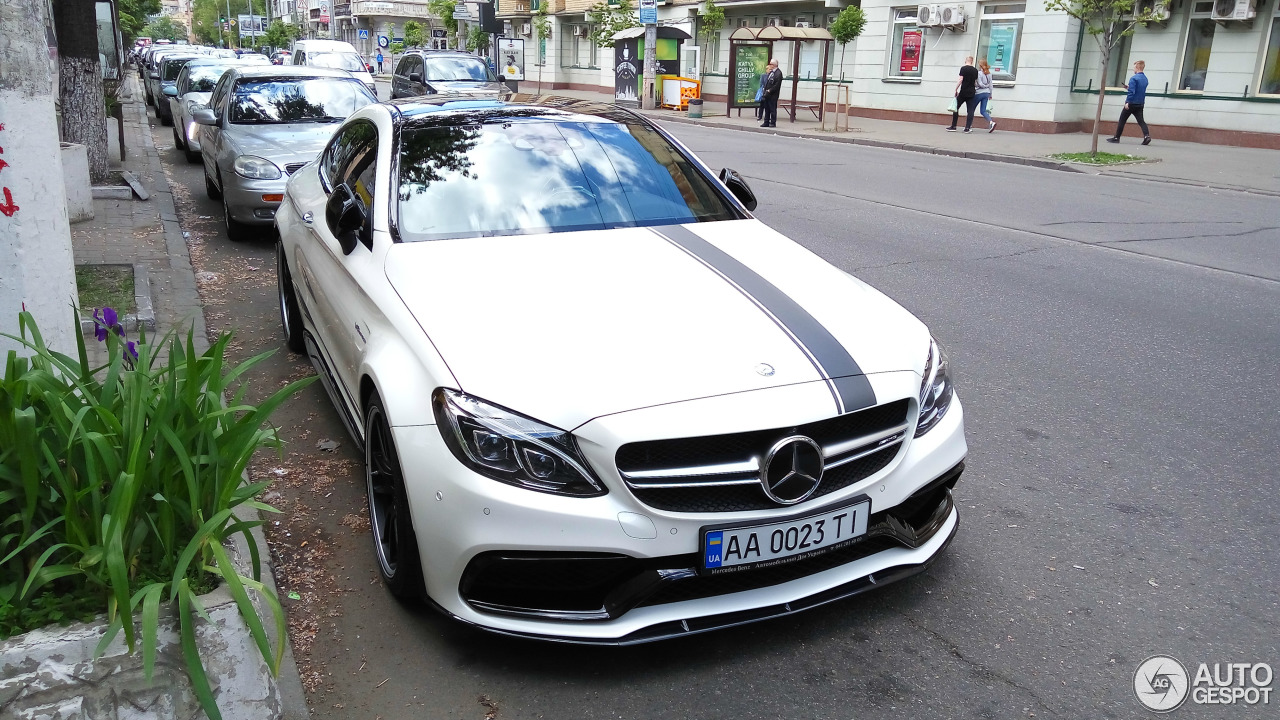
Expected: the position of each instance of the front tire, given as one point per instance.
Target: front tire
(236, 231)
(394, 542)
(290, 313)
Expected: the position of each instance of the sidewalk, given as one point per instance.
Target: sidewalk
(1214, 166)
(128, 232)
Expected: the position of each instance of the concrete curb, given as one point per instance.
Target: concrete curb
(293, 699)
(145, 315)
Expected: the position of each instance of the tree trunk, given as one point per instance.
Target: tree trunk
(1102, 95)
(84, 108)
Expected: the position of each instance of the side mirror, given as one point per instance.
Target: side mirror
(170, 91)
(345, 213)
(155, 76)
(204, 116)
(415, 77)
(738, 187)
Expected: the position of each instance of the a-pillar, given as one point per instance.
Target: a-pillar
(37, 269)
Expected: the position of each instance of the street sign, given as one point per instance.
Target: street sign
(362, 34)
(648, 12)
(383, 41)
(439, 33)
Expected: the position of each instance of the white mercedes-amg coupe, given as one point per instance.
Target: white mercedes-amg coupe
(599, 401)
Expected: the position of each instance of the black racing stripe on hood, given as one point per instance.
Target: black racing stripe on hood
(849, 385)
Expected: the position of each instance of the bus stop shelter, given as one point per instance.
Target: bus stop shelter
(749, 51)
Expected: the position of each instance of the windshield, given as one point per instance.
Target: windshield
(348, 61)
(527, 177)
(202, 78)
(457, 68)
(172, 67)
(281, 100)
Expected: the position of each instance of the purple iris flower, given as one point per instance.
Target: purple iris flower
(132, 349)
(99, 326)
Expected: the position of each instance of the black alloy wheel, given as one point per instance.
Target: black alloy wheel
(394, 541)
(290, 315)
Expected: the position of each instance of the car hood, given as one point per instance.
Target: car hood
(567, 327)
(281, 144)
(445, 87)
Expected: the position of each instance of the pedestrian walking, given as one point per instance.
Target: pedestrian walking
(379, 58)
(982, 93)
(760, 97)
(1134, 102)
(772, 87)
(966, 88)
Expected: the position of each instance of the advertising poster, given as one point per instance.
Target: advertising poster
(511, 58)
(627, 67)
(749, 65)
(324, 11)
(910, 60)
(251, 25)
(1001, 48)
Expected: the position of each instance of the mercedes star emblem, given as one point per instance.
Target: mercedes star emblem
(792, 470)
(765, 369)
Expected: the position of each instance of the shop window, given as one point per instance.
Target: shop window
(1119, 66)
(1270, 84)
(906, 51)
(1195, 54)
(999, 36)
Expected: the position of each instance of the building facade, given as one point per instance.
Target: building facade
(1213, 65)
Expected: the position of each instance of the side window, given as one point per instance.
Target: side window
(358, 167)
(403, 67)
(419, 68)
(341, 159)
(219, 92)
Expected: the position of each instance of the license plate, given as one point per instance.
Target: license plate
(742, 548)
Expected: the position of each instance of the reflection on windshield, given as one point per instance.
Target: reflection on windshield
(538, 176)
(350, 62)
(457, 68)
(173, 67)
(279, 100)
(202, 78)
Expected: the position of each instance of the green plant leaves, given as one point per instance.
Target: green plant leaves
(119, 484)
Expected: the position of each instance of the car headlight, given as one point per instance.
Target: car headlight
(511, 448)
(256, 168)
(935, 391)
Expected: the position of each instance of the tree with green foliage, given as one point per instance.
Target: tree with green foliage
(848, 25)
(134, 15)
(1108, 22)
(280, 34)
(541, 31)
(608, 20)
(710, 21)
(477, 39)
(165, 28)
(413, 34)
(443, 9)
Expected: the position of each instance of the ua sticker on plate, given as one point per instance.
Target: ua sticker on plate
(715, 541)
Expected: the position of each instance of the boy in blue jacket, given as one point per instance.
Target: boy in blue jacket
(1133, 104)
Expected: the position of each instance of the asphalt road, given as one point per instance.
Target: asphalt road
(1114, 342)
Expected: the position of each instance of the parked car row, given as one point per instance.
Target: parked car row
(703, 425)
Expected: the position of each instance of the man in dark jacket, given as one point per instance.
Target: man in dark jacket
(1134, 102)
(772, 88)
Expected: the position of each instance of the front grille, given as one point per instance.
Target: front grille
(719, 473)
(292, 168)
(587, 587)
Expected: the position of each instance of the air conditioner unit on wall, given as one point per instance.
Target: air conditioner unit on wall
(803, 24)
(579, 30)
(928, 15)
(1234, 10)
(526, 29)
(951, 15)
(1159, 8)
(830, 20)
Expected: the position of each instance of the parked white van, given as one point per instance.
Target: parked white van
(333, 54)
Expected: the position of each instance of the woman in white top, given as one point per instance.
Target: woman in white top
(982, 92)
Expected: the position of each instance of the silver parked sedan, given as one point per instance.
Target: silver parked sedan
(263, 123)
(193, 89)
